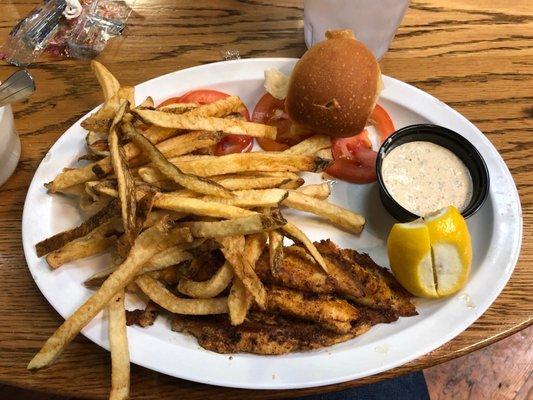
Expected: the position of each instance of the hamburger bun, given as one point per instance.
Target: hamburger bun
(334, 87)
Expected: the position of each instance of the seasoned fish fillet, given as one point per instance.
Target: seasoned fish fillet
(326, 310)
(352, 275)
(266, 334)
(144, 317)
(380, 288)
(299, 271)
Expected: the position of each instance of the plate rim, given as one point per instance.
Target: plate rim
(28, 247)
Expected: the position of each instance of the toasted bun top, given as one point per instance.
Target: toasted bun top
(334, 87)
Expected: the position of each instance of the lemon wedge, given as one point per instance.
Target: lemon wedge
(409, 249)
(431, 256)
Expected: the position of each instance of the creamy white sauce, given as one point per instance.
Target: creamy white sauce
(424, 177)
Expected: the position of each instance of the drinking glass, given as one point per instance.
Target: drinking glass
(374, 22)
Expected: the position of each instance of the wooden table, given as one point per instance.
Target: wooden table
(474, 55)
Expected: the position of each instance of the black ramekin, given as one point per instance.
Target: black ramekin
(444, 137)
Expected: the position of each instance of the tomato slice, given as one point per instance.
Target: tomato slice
(234, 144)
(347, 147)
(172, 100)
(229, 144)
(271, 111)
(381, 119)
(355, 161)
(349, 171)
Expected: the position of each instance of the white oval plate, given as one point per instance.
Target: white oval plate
(496, 230)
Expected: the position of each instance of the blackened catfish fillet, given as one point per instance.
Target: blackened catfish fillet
(352, 275)
(263, 333)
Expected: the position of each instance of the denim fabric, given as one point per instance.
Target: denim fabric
(406, 387)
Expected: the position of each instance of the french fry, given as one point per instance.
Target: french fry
(240, 299)
(236, 183)
(106, 79)
(149, 243)
(292, 184)
(278, 174)
(90, 156)
(125, 184)
(171, 256)
(209, 288)
(179, 202)
(188, 181)
(92, 207)
(103, 187)
(188, 142)
(109, 188)
(98, 278)
(326, 154)
(97, 241)
(99, 123)
(187, 205)
(239, 226)
(310, 145)
(339, 216)
(156, 215)
(184, 193)
(78, 249)
(147, 103)
(60, 239)
(275, 250)
(177, 108)
(196, 122)
(152, 176)
(219, 108)
(97, 143)
(252, 198)
(240, 162)
(293, 232)
(233, 248)
(118, 345)
(101, 120)
(319, 191)
(127, 93)
(294, 181)
(239, 302)
(88, 190)
(159, 294)
(143, 209)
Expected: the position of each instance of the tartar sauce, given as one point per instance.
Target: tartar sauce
(424, 177)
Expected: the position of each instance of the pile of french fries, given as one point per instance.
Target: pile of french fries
(157, 198)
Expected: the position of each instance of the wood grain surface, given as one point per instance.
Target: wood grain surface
(474, 55)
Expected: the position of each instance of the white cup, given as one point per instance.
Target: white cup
(9, 144)
(374, 22)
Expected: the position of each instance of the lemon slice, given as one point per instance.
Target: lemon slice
(431, 257)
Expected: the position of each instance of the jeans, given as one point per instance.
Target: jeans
(406, 387)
